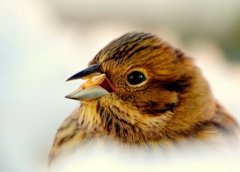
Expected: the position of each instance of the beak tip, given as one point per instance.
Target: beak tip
(69, 97)
(85, 72)
(69, 79)
(66, 97)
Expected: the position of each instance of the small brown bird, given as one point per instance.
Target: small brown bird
(139, 90)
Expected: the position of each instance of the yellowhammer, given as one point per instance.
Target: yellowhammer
(139, 90)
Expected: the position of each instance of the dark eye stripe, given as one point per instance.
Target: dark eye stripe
(178, 86)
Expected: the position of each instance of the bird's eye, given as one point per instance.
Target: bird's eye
(136, 77)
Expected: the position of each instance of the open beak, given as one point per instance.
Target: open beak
(96, 84)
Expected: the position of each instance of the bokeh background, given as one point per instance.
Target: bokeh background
(43, 42)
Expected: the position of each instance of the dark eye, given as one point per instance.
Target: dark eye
(136, 77)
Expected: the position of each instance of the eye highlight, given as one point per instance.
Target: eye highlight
(136, 78)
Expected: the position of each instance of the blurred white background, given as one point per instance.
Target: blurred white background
(43, 42)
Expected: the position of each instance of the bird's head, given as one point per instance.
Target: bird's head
(140, 80)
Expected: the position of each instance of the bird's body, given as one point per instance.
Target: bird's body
(142, 91)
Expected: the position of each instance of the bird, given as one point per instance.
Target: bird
(139, 90)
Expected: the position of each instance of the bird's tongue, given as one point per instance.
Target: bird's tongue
(106, 85)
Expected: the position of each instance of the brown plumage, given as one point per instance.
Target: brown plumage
(142, 91)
